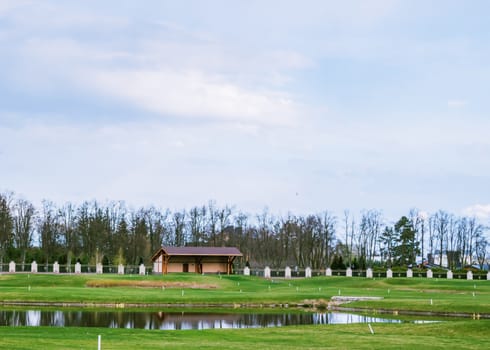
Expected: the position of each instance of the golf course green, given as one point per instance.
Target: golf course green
(469, 300)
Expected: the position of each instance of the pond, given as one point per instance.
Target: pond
(177, 320)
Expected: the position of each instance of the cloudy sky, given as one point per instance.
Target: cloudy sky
(298, 106)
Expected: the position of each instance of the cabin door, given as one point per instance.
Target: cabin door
(185, 267)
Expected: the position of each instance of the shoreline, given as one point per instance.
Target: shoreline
(314, 305)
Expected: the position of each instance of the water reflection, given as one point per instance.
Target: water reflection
(175, 320)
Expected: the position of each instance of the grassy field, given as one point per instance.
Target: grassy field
(399, 295)
(448, 335)
(415, 294)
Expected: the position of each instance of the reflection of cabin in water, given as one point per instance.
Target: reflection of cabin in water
(195, 259)
(190, 320)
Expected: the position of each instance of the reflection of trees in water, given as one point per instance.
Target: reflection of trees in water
(172, 320)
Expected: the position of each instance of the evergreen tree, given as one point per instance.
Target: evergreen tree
(407, 247)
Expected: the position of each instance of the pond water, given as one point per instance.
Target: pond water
(176, 320)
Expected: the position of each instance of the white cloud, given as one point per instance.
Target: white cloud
(195, 94)
(191, 89)
(195, 78)
(480, 211)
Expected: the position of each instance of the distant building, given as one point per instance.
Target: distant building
(195, 259)
(450, 256)
(437, 259)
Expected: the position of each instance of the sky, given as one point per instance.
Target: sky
(294, 106)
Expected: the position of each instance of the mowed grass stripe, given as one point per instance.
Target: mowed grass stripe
(445, 335)
(416, 294)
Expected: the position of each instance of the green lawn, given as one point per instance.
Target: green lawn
(415, 294)
(399, 294)
(446, 335)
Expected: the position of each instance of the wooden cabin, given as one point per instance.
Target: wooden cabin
(195, 259)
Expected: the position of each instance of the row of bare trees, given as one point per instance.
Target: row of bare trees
(112, 233)
(441, 239)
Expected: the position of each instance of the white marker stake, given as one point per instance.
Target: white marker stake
(371, 328)
(431, 301)
(99, 343)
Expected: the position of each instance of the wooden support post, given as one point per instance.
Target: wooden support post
(230, 262)
(165, 260)
(198, 261)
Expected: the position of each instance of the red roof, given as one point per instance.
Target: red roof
(198, 251)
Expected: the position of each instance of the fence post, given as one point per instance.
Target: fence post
(267, 272)
(308, 272)
(34, 267)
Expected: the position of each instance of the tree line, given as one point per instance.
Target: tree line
(112, 233)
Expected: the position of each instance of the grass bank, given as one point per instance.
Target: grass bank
(398, 294)
(449, 335)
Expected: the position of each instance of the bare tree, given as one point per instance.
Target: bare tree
(288, 232)
(155, 220)
(481, 250)
(179, 228)
(375, 222)
(197, 223)
(6, 224)
(48, 229)
(67, 221)
(139, 239)
(328, 222)
(23, 226)
(213, 217)
(367, 236)
(349, 226)
(475, 230)
(418, 218)
(441, 221)
(224, 216)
